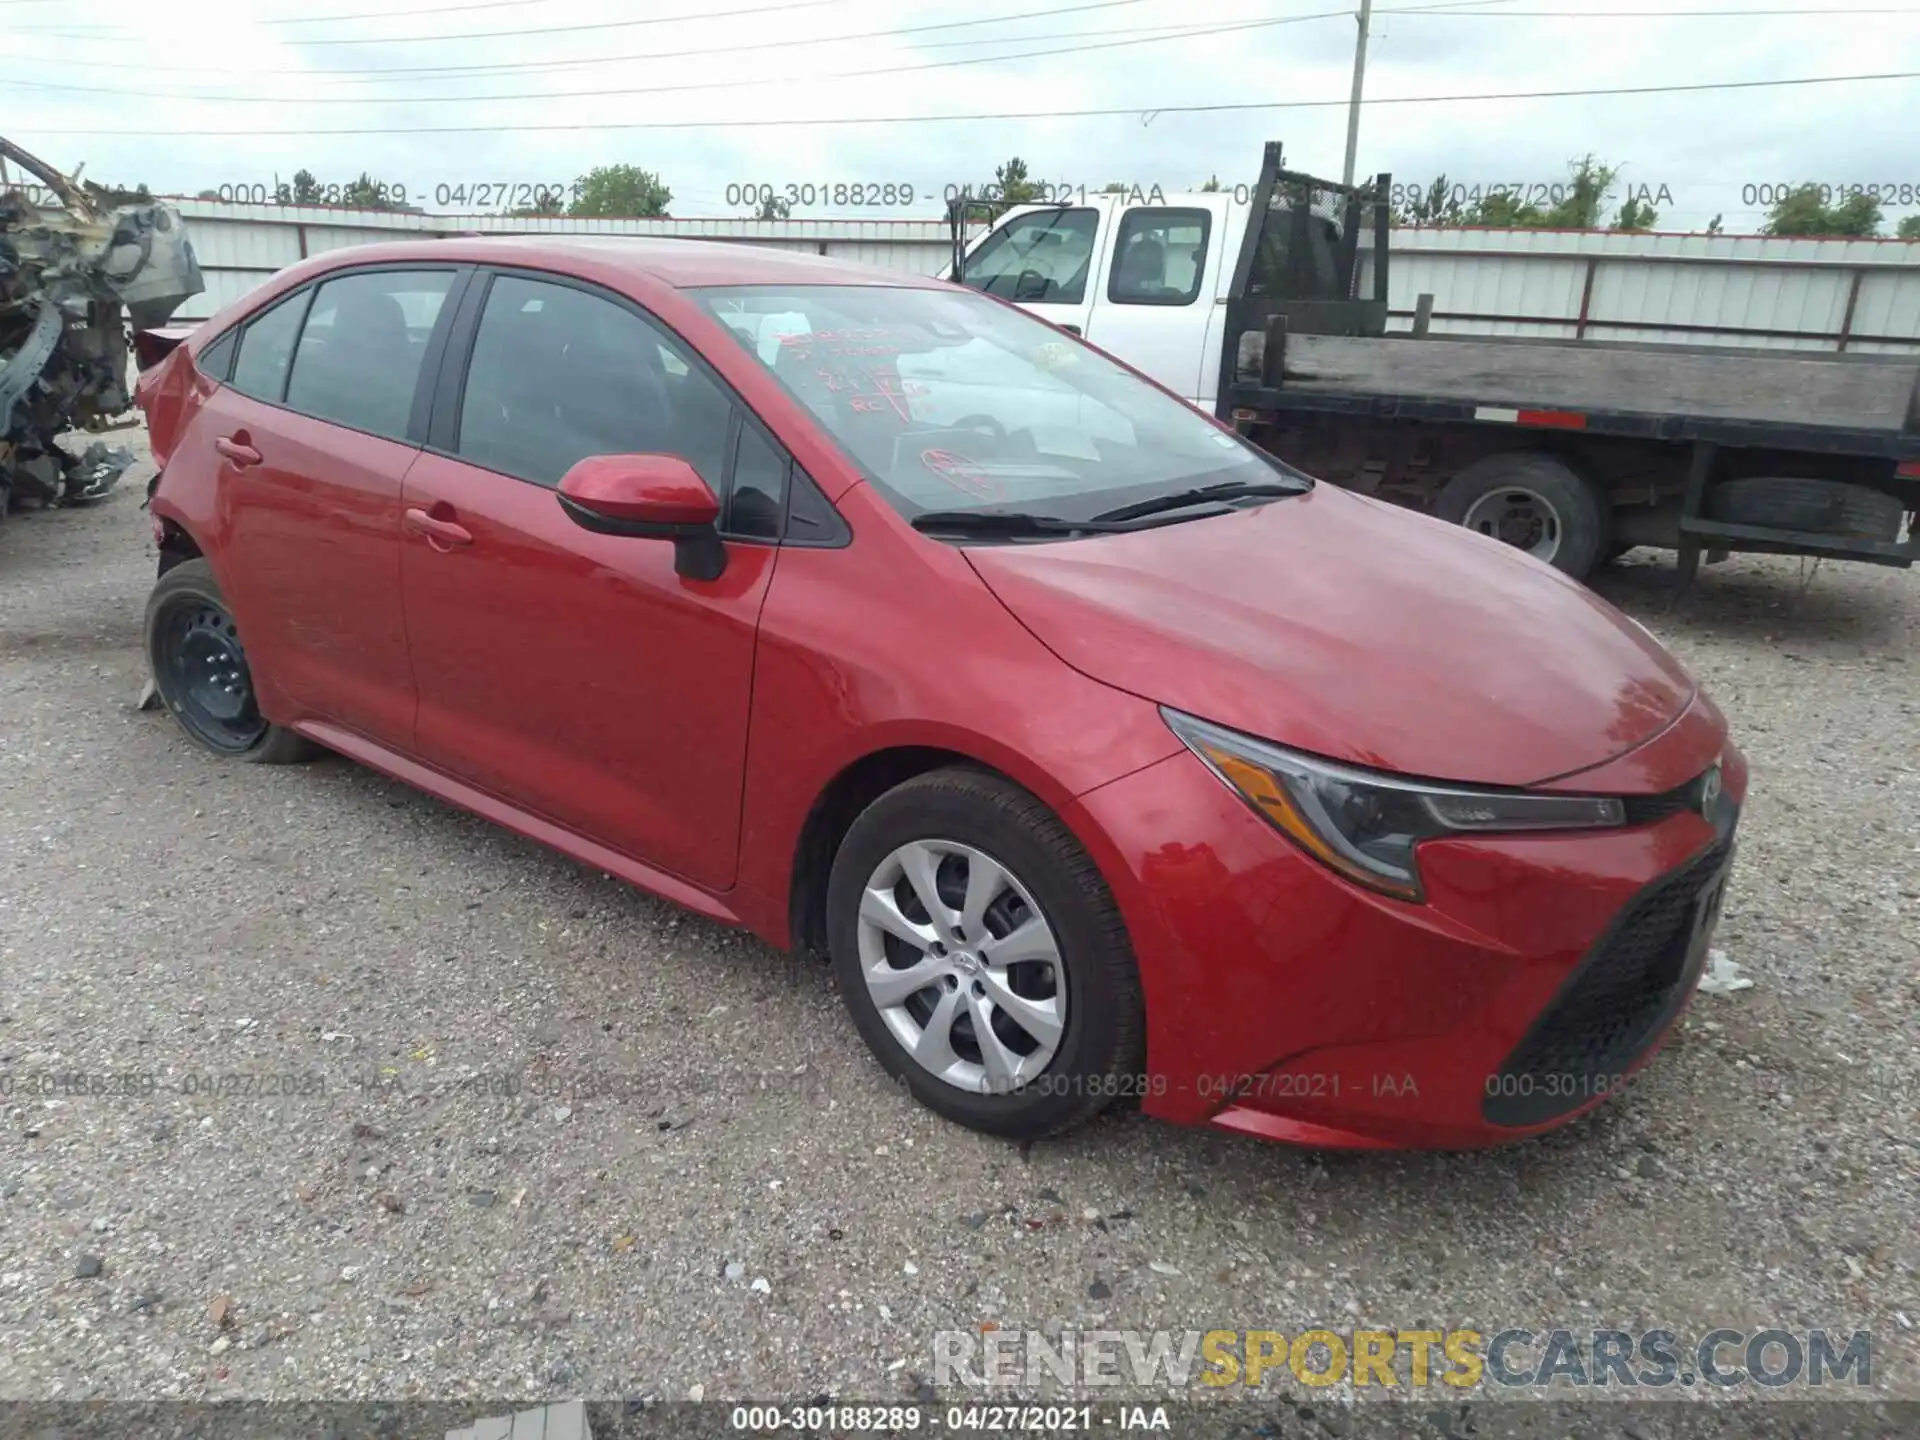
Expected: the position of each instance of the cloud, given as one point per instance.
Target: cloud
(1706, 149)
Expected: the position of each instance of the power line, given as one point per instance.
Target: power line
(545, 30)
(476, 72)
(374, 75)
(808, 77)
(1645, 14)
(684, 54)
(409, 72)
(1147, 114)
(321, 19)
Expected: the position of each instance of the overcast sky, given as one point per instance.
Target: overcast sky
(421, 67)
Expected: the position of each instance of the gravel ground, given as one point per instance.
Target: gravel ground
(746, 1208)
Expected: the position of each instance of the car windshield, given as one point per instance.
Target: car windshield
(949, 401)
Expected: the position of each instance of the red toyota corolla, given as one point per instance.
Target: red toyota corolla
(1107, 758)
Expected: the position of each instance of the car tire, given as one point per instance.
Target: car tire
(1824, 507)
(964, 822)
(1527, 493)
(201, 672)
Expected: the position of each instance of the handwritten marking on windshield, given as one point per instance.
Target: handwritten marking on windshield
(887, 392)
(963, 474)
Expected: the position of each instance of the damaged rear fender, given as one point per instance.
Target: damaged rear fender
(170, 395)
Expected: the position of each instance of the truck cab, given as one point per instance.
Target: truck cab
(1266, 306)
(1150, 281)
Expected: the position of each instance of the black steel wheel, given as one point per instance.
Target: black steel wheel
(200, 669)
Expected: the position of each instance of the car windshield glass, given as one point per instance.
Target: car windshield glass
(950, 401)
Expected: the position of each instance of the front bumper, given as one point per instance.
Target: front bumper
(1283, 1001)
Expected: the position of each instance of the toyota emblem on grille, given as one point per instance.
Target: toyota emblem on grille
(1710, 792)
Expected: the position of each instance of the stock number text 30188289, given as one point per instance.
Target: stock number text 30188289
(821, 192)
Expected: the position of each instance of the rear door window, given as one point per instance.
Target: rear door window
(359, 358)
(1041, 258)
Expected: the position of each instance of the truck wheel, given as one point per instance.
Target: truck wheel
(1533, 502)
(1824, 507)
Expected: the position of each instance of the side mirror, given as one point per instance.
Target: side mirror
(659, 497)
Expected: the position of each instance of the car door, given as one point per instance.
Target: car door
(1046, 261)
(575, 674)
(311, 435)
(1158, 295)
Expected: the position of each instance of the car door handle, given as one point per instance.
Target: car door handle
(1073, 329)
(238, 451)
(441, 534)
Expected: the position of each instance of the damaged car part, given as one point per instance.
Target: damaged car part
(76, 279)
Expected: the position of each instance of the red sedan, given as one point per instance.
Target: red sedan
(1105, 757)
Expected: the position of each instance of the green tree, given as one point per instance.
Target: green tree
(1715, 227)
(367, 193)
(305, 190)
(1591, 185)
(545, 202)
(1437, 205)
(1012, 185)
(774, 207)
(1502, 211)
(1636, 214)
(620, 192)
(1909, 228)
(1212, 186)
(1586, 197)
(1805, 211)
(1114, 187)
(208, 195)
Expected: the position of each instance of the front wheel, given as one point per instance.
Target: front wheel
(982, 957)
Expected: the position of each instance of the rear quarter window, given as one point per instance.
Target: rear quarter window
(215, 361)
(266, 349)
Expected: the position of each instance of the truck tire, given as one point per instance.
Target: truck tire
(1824, 507)
(1535, 502)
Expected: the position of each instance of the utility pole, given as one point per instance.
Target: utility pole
(1359, 82)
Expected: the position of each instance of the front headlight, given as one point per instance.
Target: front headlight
(1365, 824)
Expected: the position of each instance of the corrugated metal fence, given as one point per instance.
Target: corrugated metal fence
(1852, 295)
(241, 245)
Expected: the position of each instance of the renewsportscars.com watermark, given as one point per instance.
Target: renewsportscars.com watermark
(1168, 1361)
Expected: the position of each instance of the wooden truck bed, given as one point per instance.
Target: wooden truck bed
(1848, 394)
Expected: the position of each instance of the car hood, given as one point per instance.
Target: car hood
(1354, 630)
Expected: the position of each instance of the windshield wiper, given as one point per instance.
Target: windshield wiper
(1009, 522)
(1203, 495)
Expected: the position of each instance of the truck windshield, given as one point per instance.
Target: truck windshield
(947, 401)
(1039, 258)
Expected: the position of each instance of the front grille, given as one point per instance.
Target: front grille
(1628, 986)
(1651, 809)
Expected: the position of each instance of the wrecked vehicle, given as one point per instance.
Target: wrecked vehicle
(78, 277)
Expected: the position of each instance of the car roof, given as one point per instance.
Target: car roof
(674, 262)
